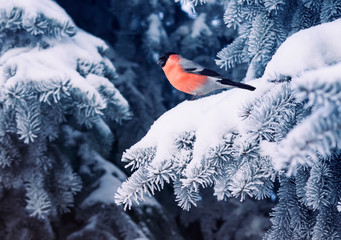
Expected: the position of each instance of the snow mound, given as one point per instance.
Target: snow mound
(309, 49)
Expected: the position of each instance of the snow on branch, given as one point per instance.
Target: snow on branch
(238, 141)
(315, 80)
(37, 18)
(54, 76)
(202, 141)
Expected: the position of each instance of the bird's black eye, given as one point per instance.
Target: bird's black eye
(162, 61)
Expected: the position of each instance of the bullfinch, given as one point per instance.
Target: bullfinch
(192, 78)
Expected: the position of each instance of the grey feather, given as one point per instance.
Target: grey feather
(192, 67)
(188, 64)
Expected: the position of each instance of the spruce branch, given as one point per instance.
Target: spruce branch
(312, 4)
(28, 121)
(139, 157)
(273, 5)
(232, 54)
(185, 196)
(185, 140)
(232, 15)
(319, 186)
(134, 188)
(38, 201)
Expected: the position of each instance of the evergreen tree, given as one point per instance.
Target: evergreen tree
(241, 142)
(57, 101)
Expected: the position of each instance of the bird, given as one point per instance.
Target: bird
(192, 78)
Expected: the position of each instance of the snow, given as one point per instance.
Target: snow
(108, 182)
(59, 58)
(57, 63)
(211, 117)
(312, 57)
(330, 73)
(87, 42)
(306, 50)
(33, 8)
(188, 7)
(308, 81)
(98, 81)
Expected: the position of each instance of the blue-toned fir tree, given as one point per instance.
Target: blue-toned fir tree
(139, 31)
(240, 142)
(57, 103)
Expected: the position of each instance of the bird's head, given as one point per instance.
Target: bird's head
(162, 60)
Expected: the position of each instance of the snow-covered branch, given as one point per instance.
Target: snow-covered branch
(239, 141)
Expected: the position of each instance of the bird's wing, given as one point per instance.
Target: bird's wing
(206, 72)
(192, 67)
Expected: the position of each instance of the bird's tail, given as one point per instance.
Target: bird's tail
(236, 84)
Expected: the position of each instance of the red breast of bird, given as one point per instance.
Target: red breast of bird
(190, 83)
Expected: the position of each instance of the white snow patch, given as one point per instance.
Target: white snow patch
(89, 43)
(98, 81)
(305, 50)
(108, 182)
(59, 62)
(33, 7)
(322, 75)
